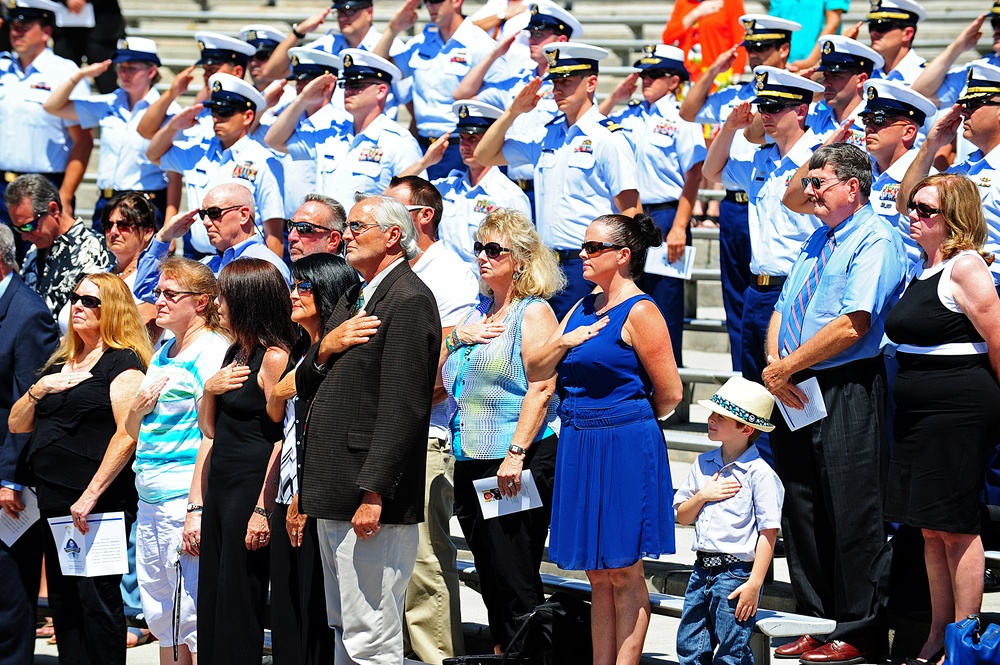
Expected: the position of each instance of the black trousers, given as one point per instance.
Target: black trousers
(300, 632)
(833, 472)
(21, 572)
(507, 549)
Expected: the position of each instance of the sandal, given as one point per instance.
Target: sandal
(46, 630)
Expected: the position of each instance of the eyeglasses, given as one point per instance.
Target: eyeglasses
(884, 25)
(593, 247)
(924, 211)
(122, 224)
(262, 55)
(878, 120)
(129, 68)
(32, 225)
(417, 208)
(305, 227)
(995, 22)
(357, 227)
(223, 112)
(817, 183)
(24, 26)
(347, 13)
(433, 2)
(215, 213)
(772, 108)
(174, 296)
(971, 105)
(760, 47)
(493, 249)
(354, 85)
(304, 287)
(654, 74)
(90, 302)
(540, 33)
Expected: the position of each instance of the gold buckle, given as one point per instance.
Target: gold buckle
(9, 176)
(107, 192)
(742, 197)
(763, 280)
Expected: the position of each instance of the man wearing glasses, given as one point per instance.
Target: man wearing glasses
(892, 26)
(316, 227)
(978, 112)
(264, 39)
(360, 155)
(32, 141)
(776, 233)
(828, 325)
(767, 42)
(62, 250)
(230, 155)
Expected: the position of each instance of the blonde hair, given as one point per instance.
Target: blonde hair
(537, 270)
(121, 327)
(962, 210)
(195, 277)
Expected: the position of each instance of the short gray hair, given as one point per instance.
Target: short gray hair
(337, 213)
(389, 212)
(8, 251)
(36, 188)
(847, 161)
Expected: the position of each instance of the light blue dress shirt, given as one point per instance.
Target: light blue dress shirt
(579, 169)
(864, 273)
(776, 233)
(666, 147)
(122, 163)
(984, 170)
(907, 71)
(31, 140)
(251, 248)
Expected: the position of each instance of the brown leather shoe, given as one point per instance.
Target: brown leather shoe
(798, 647)
(834, 651)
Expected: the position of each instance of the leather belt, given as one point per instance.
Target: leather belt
(710, 560)
(769, 280)
(737, 196)
(567, 254)
(525, 185)
(11, 176)
(653, 207)
(425, 141)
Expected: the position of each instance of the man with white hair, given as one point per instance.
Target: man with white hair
(371, 379)
(228, 214)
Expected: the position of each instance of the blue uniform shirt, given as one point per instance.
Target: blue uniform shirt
(776, 233)
(885, 189)
(251, 248)
(31, 140)
(865, 273)
(716, 109)
(579, 170)
(666, 147)
(437, 68)
(122, 163)
(466, 206)
(206, 164)
(983, 170)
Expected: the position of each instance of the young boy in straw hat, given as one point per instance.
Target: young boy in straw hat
(734, 500)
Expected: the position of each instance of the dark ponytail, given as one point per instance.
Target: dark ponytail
(638, 233)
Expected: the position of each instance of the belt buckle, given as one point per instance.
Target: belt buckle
(763, 280)
(742, 197)
(108, 192)
(9, 176)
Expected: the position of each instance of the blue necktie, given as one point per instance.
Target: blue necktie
(792, 333)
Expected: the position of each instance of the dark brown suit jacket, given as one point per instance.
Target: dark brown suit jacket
(367, 428)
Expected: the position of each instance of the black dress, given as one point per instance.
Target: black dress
(71, 435)
(232, 580)
(946, 411)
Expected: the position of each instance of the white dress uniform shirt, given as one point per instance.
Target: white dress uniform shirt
(984, 170)
(334, 42)
(717, 108)
(885, 190)
(907, 71)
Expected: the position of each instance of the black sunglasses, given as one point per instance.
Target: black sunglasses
(760, 47)
(817, 183)
(174, 296)
(995, 22)
(122, 224)
(653, 74)
(356, 84)
(303, 287)
(90, 302)
(262, 55)
(215, 213)
(924, 211)
(772, 108)
(878, 120)
(356, 227)
(32, 225)
(971, 105)
(224, 112)
(593, 247)
(885, 25)
(493, 249)
(304, 227)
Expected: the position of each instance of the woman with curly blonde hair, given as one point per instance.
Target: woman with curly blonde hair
(501, 422)
(80, 448)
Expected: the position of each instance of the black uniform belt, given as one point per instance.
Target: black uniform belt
(768, 280)
(425, 141)
(525, 185)
(11, 176)
(653, 207)
(709, 560)
(737, 196)
(151, 194)
(567, 254)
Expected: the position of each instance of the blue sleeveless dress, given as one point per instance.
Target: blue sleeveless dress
(613, 495)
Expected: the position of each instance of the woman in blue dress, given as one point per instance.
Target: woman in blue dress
(617, 375)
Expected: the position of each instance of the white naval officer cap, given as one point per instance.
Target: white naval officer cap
(901, 11)
(360, 64)
(32, 10)
(309, 63)
(982, 82)
(136, 49)
(547, 15)
(778, 85)
(217, 49)
(230, 91)
(761, 28)
(661, 56)
(572, 58)
(840, 54)
(474, 117)
(261, 36)
(896, 99)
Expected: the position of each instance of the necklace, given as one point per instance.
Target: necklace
(128, 271)
(241, 357)
(499, 314)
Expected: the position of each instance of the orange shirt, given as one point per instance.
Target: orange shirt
(716, 33)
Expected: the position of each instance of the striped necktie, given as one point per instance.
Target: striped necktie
(792, 332)
(359, 304)
(288, 471)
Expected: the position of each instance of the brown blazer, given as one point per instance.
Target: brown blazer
(367, 427)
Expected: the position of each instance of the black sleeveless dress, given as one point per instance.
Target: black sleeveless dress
(947, 413)
(233, 581)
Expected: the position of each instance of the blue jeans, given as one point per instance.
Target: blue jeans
(709, 633)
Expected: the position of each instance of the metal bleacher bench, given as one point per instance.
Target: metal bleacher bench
(770, 623)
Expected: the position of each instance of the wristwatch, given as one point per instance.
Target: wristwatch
(295, 31)
(260, 510)
(517, 450)
(194, 507)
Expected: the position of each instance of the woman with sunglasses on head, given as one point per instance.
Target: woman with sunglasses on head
(501, 422)
(613, 499)
(122, 165)
(946, 328)
(236, 478)
(79, 451)
(300, 633)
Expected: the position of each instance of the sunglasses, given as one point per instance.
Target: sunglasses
(433, 2)
(773, 108)
(122, 224)
(174, 296)
(817, 183)
(973, 105)
(304, 287)
(304, 227)
(884, 25)
(90, 302)
(357, 227)
(32, 225)
(593, 247)
(654, 74)
(540, 33)
(223, 112)
(924, 211)
(356, 84)
(878, 120)
(262, 55)
(995, 22)
(760, 47)
(493, 249)
(215, 213)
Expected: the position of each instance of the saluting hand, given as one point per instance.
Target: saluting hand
(405, 17)
(740, 118)
(527, 98)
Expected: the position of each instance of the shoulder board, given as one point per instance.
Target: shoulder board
(634, 102)
(610, 125)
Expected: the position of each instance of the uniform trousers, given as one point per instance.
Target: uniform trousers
(758, 308)
(365, 583)
(668, 292)
(734, 264)
(21, 572)
(433, 626)
(834, 472)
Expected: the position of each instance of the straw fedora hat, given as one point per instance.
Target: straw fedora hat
(744, 401)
